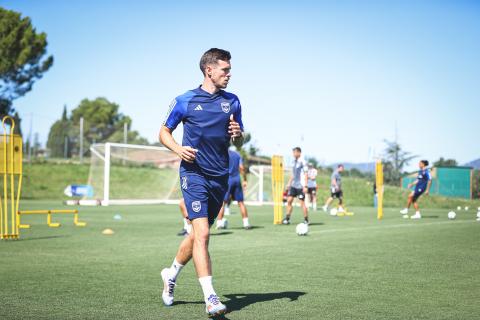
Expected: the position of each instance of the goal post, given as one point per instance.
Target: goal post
(123, 174)
(379, 188)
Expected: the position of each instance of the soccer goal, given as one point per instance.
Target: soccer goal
(259, 190)
(126, 174)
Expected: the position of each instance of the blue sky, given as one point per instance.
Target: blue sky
(331, 76)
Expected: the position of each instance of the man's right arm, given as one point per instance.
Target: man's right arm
(175, 115)
(184, 152)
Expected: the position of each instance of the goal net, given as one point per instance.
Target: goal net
(259, 190)
(132, 174)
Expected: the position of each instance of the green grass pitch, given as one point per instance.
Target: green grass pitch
(346, 268)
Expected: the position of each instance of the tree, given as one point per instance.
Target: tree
(60, 133)
(395, 159)
(102, 122)
(23, 58)
(445, 163)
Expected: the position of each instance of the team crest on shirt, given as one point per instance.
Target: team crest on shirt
(196, 206)
(225, 107)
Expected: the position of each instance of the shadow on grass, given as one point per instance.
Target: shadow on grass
(238, 301)
(44, 238)
(223, 233)
(316, 224)
(429, 217)
(253, 227)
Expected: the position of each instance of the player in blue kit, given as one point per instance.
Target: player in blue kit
(422, 186)
(235, 189)
(211, 118)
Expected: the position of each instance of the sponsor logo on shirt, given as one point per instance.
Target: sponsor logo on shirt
(225, 107)
(198, 108)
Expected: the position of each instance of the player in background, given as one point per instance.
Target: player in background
(235, 188)
(336, 189)
(422, 186)
(187, 225)
(211, 119)
(297, 186)
(312, 185)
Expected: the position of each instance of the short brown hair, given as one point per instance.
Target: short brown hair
(211, 56)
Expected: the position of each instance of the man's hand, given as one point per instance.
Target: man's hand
(244, 184)
(409, 186)
(234, 128)
(427, 192)
(305, 190)
(187, 153)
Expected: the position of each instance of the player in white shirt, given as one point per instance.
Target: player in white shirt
(312, 185)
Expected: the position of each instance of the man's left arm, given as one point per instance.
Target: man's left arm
(235, 128)
(428, 184)
(243, 173)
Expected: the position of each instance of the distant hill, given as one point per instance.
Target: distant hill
(474, 164)
(361, 166)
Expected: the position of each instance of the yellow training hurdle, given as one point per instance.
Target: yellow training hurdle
(11, 154)
(49, 213)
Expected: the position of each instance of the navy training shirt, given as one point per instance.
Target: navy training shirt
(205, 119)
(234, 164)
(423, 178)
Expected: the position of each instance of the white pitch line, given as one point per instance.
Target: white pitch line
(392, 226)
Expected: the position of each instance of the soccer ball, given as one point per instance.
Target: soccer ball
(302, 229)
(451, 215)
(466, 208)
(459, 208)
(225, 223)
(478, 214)
(333, 212)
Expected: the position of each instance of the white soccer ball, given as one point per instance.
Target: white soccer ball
(451, 215)
(225, 223)
(459, 208)
(466, 208)
(478, 214)
(302, 229)
(333, 212)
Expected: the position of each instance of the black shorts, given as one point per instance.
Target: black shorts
(337, 194)
(312, 191)
(296, 192)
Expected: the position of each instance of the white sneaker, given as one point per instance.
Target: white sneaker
(404, 211)
(325, 208)
(168, 288)
(416, 216)
(214, 307)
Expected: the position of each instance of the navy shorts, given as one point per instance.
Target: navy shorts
(417, 193)
(203, 195)
(235, 190)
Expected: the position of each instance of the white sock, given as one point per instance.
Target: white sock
(185, 224)
(207, 287)
(314, 206)
(219, 223)
(245, 222)
(227, 210)
(188, 228)
(175, 269)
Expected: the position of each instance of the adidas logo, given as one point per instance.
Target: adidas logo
(198, 108)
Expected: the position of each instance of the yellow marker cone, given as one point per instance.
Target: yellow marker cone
(108, 232)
